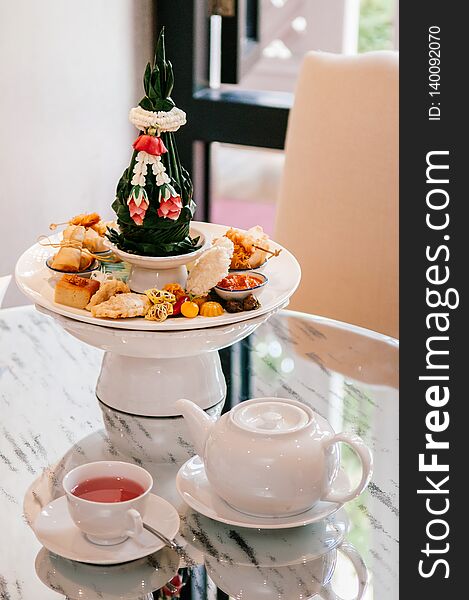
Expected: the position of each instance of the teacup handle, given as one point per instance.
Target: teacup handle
(360, 569)
(366, 459)
(136, 521)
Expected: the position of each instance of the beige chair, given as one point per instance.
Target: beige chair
(338, 210)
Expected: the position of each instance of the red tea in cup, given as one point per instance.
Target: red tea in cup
(108, 489)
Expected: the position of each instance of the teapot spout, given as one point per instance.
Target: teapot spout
(198, 423)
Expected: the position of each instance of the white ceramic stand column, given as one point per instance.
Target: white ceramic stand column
(143, 373)
(150, 386)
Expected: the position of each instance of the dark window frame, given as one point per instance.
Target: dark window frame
(235, 116)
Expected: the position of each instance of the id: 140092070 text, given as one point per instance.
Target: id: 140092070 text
(434, 58)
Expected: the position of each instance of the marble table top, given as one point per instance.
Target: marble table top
(50, 421)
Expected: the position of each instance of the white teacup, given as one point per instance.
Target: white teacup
(108, 523)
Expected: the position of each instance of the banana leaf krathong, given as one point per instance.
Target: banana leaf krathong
(153, 234)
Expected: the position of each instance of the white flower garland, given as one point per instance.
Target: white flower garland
(140, 169)
(161, 120)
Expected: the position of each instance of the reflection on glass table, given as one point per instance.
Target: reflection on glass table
(51, 423)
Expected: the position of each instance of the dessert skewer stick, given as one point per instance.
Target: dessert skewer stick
(271, 252)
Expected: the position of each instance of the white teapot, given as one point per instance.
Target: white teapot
(272, 457)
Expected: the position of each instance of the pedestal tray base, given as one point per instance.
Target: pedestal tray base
(144, 373)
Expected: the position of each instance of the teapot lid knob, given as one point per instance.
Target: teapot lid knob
(271, 419)
(271, 416)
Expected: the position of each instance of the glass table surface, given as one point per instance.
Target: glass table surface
(50, 422)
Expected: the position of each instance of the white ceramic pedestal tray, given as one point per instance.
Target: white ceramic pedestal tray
(283, 271)
(144, 373)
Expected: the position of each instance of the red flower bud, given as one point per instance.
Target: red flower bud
(150, 144)
(171, 208)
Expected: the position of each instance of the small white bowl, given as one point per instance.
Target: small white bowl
(86, 273)
(156, 271)
(242, 294)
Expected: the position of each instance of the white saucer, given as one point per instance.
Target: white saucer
(195, 489)
(110, 582)
(57, 532)
(293, 546)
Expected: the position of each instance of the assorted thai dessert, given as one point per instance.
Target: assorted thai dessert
(213, 285)
(154, 208)
(106, 297)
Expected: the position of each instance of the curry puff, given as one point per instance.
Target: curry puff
(122, 306)
(107, 290)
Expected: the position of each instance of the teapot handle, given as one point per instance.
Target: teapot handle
(360, 569)
(366, 459)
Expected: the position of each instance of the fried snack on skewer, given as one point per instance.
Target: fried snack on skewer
(102, 226)
(251, 248)
(90, 221)
(85, 220)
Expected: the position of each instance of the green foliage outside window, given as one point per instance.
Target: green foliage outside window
(376, 25)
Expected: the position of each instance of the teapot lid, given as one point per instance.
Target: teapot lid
(271, 416)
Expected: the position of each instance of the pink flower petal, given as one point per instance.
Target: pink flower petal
(135, 210)
(137, 213)
(170, 208)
